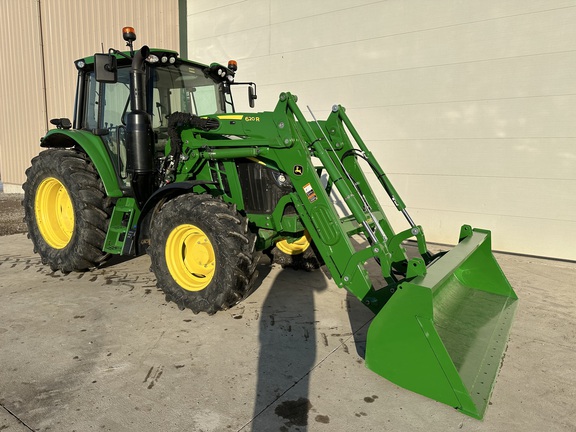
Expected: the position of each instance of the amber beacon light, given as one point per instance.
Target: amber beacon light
(129, 34)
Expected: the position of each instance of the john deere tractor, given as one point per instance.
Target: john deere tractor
(156, 159)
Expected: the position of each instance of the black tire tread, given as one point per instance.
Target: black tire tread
(308, 260)
(235, 247)
(92, 209)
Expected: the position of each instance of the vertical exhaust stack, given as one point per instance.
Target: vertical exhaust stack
(140, 154)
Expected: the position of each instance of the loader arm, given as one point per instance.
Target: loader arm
(441, 321)
(331, 233)
(285, 139)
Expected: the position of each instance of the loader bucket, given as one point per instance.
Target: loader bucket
(444, 334)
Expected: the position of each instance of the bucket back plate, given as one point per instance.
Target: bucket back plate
(444, 334)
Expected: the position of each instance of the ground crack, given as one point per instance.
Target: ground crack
(17, 418)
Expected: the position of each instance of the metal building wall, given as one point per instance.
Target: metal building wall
(22, 103)
(69, 29)
(469, 106)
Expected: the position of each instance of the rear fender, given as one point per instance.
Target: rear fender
(93, 147)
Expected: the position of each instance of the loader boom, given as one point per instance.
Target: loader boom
(441, 320)
(285, 140)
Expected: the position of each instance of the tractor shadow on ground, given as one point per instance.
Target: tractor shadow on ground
(360, 318)
(264, 267)
(287, 336)
(288, 339)
(115, 260)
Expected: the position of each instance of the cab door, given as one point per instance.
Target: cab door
(105, 115)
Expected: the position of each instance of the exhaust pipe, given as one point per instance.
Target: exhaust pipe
(139, 142)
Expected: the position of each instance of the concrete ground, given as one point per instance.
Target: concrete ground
(102, 351)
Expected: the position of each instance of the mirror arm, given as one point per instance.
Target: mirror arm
(112, 51)
(252, 96)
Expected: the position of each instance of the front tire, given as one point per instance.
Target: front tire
(66, 210)
(298, 255)
(202, 253)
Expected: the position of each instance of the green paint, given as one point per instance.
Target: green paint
(444, 334)
(123, 220)
(93, 147)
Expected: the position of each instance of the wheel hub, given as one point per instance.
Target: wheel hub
(296, 248)
(190, 257)
(54, 213)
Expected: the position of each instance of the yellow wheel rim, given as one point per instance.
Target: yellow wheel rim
(296, 248)
(54, 213)
(190, 257)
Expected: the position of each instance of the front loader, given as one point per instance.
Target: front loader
(157, 160)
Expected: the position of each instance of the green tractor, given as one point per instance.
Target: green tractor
(157, 160)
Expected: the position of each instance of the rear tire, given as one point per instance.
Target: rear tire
(66, 210)
(202, 253)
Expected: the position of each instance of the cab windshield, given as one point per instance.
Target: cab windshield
(170, 89)
(182, 88)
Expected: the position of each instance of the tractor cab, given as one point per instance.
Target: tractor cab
(171, 84)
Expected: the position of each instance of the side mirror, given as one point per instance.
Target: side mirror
(105, 68)
(61, 123)
(252, 96)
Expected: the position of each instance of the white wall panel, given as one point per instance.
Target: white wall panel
(468, 105)
(508, 233)
(508, 158)
(505, 118)
(443, 35)
(534, 75)
(395, 16)
(489, 195)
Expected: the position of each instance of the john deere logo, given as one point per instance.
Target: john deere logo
(298, 170)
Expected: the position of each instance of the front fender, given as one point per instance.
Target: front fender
(93, 147)
(163, 194)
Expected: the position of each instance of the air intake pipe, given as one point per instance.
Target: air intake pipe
(139, 142)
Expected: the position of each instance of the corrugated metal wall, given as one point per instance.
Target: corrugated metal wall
(69, 29)
(468, 105)
(22, 103)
